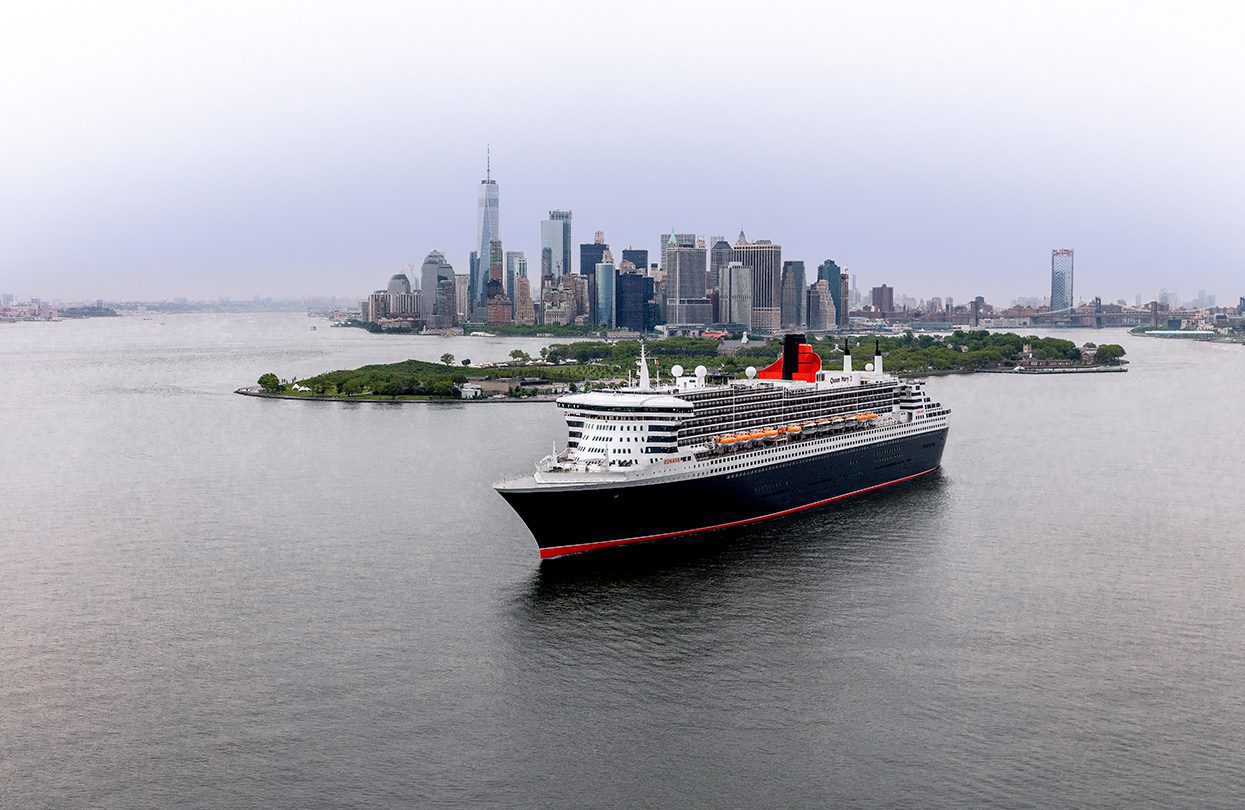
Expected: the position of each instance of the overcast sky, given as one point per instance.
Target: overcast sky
(289, 149)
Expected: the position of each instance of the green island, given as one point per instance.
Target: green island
(586, 365)
(88, 312)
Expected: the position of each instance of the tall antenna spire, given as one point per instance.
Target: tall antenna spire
(488, 162)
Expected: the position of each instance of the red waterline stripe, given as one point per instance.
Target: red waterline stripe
(560, 551)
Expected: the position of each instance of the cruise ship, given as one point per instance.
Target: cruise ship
(703, 453)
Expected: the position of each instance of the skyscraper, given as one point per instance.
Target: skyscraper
(434, 269)
(719, 257)
(401, 299)
(1060, 280)
(524, 307)
(633, 293)
(604, 289)
(462, 295)
(591, 253)
(829, 271)
(765, 259)
(794, 294)
(516, 266)
(683, 258)
(821, 312)
(883, 299)
(498, 307)
(399, 283)
(735, 303)
(840, 290)
(555, 244)
(476, 278)
(487, 209)
(637, 257)
(841, 305)
(671, 241)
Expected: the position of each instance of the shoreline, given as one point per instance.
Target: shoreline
(1192, 338)
(255, 391)
(1032, 372)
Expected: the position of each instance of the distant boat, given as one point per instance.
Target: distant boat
(483, 334)
(313, 329)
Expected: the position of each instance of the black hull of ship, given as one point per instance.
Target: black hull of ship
(576, 520)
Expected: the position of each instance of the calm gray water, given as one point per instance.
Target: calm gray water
(215, 601)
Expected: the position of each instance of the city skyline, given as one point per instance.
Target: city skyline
(195, 164)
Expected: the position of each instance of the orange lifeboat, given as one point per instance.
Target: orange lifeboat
(727, 440)
(793, 428)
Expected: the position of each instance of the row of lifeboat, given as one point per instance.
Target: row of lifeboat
(756, 437)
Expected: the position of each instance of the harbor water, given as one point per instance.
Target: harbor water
(217, 601)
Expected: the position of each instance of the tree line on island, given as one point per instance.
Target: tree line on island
(587, 364)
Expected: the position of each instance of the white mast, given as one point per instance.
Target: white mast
(643, 361)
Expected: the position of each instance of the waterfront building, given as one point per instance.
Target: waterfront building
(400, 300)
(404, 305)
(883, 299)
(1061, 280)
(377, 306)
(765, 260)
(822, 315)
(794, 294)
(555, 244)
(604, 290)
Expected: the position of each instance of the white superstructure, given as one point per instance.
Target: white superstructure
(699, 426)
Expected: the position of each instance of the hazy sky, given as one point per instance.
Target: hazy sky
(288, 149)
